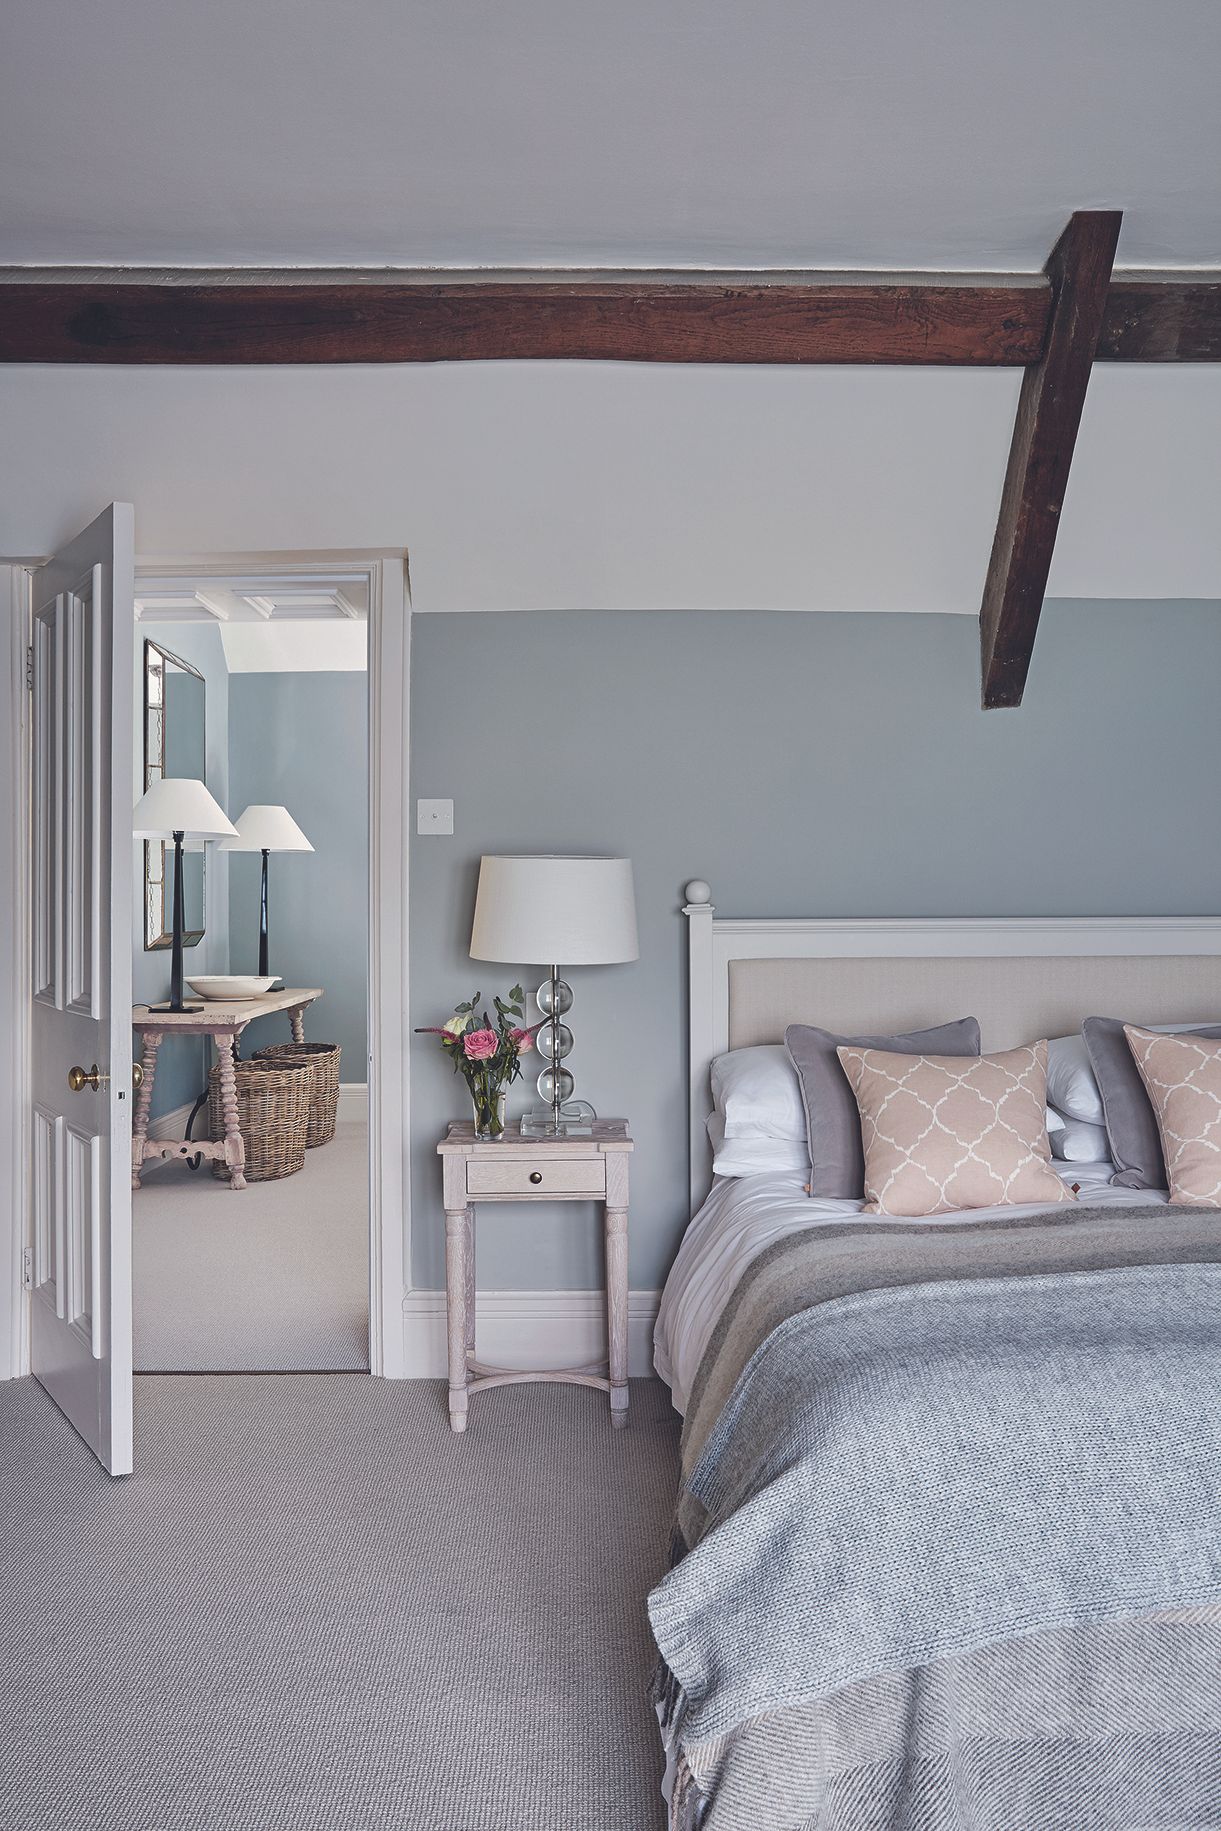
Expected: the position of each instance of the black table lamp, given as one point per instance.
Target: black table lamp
(266, 829)
(178, 808)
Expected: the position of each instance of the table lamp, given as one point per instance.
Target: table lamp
(178, 808)
(544, 910)
(265, 829)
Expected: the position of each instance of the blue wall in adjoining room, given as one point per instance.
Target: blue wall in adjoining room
(806, 765)
(300, 740)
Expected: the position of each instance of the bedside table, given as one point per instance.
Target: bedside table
(516, 1169)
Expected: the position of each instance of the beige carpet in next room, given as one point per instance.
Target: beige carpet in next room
(273, 1278)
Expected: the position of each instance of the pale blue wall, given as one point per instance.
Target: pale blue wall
(805, 765)
(182, 1061)
(299, 740)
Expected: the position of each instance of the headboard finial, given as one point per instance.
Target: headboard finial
(698, 893)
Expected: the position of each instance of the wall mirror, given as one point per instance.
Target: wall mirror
(175, 744)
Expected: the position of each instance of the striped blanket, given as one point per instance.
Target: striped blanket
(952, 1518)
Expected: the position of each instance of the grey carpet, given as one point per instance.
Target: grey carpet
(312, 1607)
(272, 1277)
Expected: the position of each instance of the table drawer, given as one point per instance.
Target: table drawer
(542, 1176)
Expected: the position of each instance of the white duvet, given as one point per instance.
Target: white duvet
(744, 1214)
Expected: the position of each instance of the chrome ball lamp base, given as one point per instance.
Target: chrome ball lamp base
(557, 1115)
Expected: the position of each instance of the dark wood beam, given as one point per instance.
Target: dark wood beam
(988, 320)
(1162, 318)
(1048, 416)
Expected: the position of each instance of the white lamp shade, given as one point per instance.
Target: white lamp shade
(262, 828)
(555, 911)
(179, 804)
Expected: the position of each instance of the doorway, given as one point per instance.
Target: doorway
(98, 569)
(255, 685)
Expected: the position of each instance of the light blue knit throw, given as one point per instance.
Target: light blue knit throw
(967, 1463)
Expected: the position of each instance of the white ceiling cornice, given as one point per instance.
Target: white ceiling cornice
(257, 598)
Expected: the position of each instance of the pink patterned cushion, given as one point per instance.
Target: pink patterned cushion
(947, 1131)
(1182, 1076)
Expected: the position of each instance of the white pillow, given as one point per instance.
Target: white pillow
(758, 1095)
(1071, 1087)
(1079, 1142)
(755, 1156)
(1056, 1122)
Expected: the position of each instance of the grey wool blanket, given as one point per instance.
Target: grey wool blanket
(950, 1463)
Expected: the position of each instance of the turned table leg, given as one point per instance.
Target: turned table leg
(616, 1311)
(150, 1042)
(235, 1146)
(296, 1022)
(470, 1279)
(456, 1223)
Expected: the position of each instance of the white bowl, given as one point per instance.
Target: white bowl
(231, 988)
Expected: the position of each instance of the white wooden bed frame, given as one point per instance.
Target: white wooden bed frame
(1022, 978)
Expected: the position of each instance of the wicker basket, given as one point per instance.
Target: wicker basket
(273, 1108)
(323, 1061)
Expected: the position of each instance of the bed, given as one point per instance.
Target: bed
(947, 1548)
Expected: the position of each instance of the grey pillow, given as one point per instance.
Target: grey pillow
(1136, 1144)
(833, 1123)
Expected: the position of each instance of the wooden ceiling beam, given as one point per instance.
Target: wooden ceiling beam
(988, 320)
(1161, 317)
(1041, 454)
(978, 320)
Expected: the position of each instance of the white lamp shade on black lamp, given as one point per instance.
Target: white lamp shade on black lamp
(178, 808)
(263, 827)
(179, 804)
(547, 910)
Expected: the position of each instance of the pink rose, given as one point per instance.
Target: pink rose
(480, 1044)
(522, 1040)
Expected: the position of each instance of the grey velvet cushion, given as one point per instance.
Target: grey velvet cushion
(837, 1159)
(1136, 1144)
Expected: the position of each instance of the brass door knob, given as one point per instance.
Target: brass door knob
(80, 1078)
(137, 1074)
(536, 1176)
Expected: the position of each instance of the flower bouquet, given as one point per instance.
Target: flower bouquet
(487, 1053)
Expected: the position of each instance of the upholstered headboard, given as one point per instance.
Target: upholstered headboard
(1022, 979)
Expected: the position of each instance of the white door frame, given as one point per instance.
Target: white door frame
(15, 1091)
(389, 855)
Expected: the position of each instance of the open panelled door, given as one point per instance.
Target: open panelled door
(80, 1182)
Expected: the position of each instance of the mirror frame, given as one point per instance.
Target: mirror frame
(158, 916)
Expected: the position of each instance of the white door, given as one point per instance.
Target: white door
(80, 1323)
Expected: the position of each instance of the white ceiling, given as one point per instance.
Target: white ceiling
(949, 133)
(297, 623)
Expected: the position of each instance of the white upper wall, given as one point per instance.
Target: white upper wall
(948, 133)
(557, 486)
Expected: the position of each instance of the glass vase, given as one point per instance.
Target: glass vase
(488, 1108)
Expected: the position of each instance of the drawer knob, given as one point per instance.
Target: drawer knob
(536, 1176)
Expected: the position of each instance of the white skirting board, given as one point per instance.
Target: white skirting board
(528, 1329)
(174, 1124)
(353, 1103)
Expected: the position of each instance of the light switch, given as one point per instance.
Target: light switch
(434, 816)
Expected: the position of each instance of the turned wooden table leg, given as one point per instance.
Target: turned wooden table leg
(616, 1311)
(150, 1042)
(235, 1146)
(456, 1223)
(296, 1022)
(470, 1279)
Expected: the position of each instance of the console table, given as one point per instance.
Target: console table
(223, 1020)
